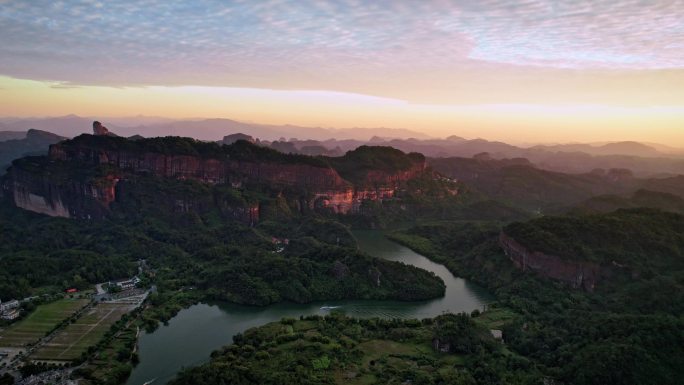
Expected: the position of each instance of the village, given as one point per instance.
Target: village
(44, 343)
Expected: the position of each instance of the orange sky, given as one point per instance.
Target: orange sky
(515, 123)
(521, 72)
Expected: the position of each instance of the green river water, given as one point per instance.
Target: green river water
(191, 336)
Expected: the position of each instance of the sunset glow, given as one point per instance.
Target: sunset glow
(538, 71)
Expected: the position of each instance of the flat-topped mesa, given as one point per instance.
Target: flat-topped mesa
(336, 185)
(376, 173)
(185, 158)
(577, 274)
(585, 250)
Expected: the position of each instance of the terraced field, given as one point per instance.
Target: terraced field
(41, 321)
(77, 337)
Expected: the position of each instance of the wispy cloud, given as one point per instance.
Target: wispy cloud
(63, 86)
(319, 44)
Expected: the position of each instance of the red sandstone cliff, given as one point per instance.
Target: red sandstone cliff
(384, 178)
(317, 185)
(577, 274)
(69, 198)
(208, 170)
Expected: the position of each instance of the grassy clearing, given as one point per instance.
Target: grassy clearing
(87, 331)
(41, 321)
(387, 355)
(496, 317)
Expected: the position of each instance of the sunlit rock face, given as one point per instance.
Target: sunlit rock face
(316, 186)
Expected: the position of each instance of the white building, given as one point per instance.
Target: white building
(9, 310)
(9, 305)
(128, 283)
(10, 314)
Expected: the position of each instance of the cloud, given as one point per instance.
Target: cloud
(336, 45)
(63, 86)
(583, 34)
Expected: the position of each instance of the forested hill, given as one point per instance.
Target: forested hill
(35, 142)
(641, 198)
(450, 349)
(83, 177)
(240, 150)
(640, 238)
(521, 184)
(627, 330)
(293, 259)
(366, 162)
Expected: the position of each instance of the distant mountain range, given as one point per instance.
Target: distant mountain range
(33, 142)
(521, 184)
(11, 135)
(644, 159)
(622, 148)
(202, 129)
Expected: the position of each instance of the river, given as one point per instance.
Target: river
(191, 336)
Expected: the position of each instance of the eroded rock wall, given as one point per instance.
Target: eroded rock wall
(577, 274)
(320, 187)
(69, 199)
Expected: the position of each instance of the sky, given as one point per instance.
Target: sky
(518, 71)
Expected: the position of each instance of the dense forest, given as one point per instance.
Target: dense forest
(628, 331)
(641, 238)
(228, 260)
(241, 150)
(356, 164)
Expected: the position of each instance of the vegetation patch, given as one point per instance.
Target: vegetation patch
(450, 349)
(71, 342)
(628, 331)
(40, 322)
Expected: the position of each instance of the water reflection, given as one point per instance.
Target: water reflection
(194, 333)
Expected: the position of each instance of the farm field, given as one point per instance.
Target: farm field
(77, 337)
(41, 321)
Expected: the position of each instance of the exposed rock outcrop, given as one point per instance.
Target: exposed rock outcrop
(577, 274)
(69, 198)
(207, 170)
(99, 129)
(310, 181)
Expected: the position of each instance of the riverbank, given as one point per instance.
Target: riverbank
(447, 349)
(191, 335)
(627, 331)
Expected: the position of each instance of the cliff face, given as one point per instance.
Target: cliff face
(384, 178)
(70, 199)
(207, 170)
(577, 274)
(317, 185)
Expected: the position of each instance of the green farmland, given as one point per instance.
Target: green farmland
(87, 331)
(40, 322)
